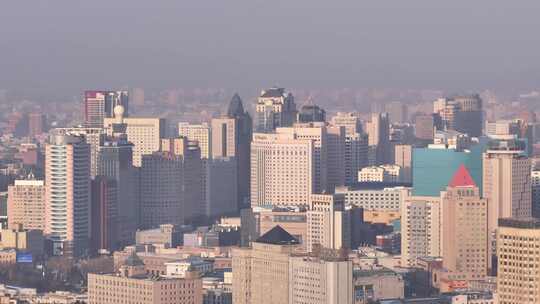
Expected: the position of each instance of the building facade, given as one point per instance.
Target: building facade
(26, 204)
(67, 194)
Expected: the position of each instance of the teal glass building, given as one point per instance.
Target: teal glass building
(433, 168)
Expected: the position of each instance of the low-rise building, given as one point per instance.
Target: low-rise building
(377, 283)
(168, 235)
(132, 285)
(378, 197)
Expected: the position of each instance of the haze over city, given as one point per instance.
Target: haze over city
(269, 152)
(59, 48)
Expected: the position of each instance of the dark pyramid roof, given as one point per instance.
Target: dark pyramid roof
(133, 260)
(235, 106)
(462, 178)
(277, 236)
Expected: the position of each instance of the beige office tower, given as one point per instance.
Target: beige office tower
(132, 285)
(320, 280)
(328, 223)
(506, 185)
(261, 273)
(356, 145)
(282, 169)
(420, 229)
(464, 228)
(518, 279)
(200, 133)
(329, 144)
(144, 133)
(67, 194)
(403, 158)
(26, 204)
(94, 137)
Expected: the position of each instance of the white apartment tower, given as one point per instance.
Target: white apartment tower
(67, 182)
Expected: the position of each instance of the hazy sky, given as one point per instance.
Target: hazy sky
(76, 44)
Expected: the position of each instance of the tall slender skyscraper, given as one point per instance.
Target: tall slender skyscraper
(67, 207)
(275, 108)
(99, 105)
(115, 162)
(237, 144)
(507, 184)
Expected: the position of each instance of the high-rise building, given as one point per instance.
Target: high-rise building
(104, 214)
(200, 133)
(243, 137)
(282, 169)
(115, 162)
(355, 152)
(507, 184)
(502, 127)
(328, 223)
(222, 198)
(36, 124)
(93, 136)
(144, 133)
(67, 194)
(535, 184)
(403, 155)
(461, 113)
(162, 199)
(378, 130)
(420, 229)
(26, 204)
(320, 280)
(424, 127)
(349, 120)
(311, 113)
(397, 112)
(170, 184)
(275, 108)
(99, 105)
(224, 137)
(328, 156)
(261, 273)
(464, 228)
(518, 240)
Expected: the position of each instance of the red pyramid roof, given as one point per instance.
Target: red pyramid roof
(462, 178)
